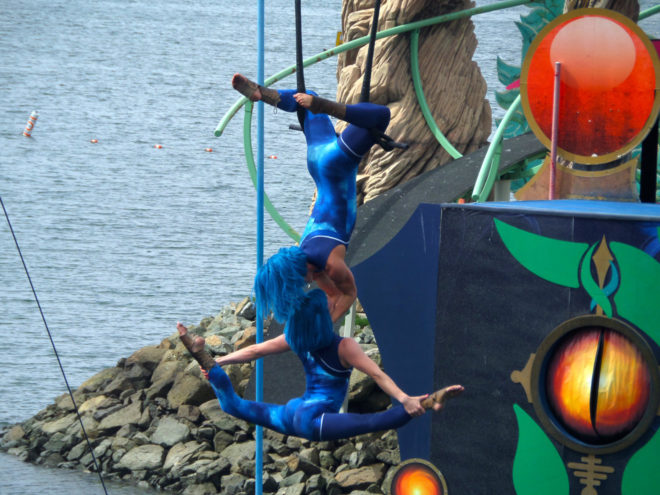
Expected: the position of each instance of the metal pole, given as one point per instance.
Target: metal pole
(648, 182)
(553, 143)
(258, 473)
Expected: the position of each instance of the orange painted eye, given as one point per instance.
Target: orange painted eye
(597, 384)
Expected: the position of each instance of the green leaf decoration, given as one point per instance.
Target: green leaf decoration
(529, 26)
(528, 34)
(507, 73)
(517, 125)
(537, 467)
(636, 299)
(506, 98)
(642, 476)
(553, 260)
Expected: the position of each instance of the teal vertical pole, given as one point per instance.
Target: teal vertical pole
(258, 473)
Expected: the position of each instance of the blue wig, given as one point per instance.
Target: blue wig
(310, 327)
(279, 283)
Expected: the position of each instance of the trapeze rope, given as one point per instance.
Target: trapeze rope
(366, 80)
(382, 139)
(59, 362)
(300, 76)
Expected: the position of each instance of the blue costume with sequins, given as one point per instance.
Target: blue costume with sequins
(332, 162)
(315, 415)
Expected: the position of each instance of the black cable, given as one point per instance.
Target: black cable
(366, 79)
(300, 75)
(382, 139)
(43, 318)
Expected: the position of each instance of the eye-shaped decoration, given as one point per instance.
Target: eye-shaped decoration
(594, 383)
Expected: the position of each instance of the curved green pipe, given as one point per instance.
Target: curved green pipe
(414, 27)
(649, 12)
(419, 91)
(488, 171)
(358, 42)
(247, 139)
(249, 157)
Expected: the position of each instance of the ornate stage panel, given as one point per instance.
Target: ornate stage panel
(548, 313)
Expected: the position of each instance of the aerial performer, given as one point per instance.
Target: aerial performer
(327, 361)
(332, 161)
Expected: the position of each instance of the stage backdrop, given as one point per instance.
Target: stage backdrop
(549, 314)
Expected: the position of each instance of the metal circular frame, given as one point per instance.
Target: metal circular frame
(425, 463)
(538, 389)
(531, 120)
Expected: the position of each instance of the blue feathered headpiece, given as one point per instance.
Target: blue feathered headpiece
(279, 283)
(310, 327)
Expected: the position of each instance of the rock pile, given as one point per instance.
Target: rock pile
(154, 420)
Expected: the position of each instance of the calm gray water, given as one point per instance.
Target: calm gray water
(123, 239)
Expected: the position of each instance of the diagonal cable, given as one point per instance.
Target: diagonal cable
(52, 343)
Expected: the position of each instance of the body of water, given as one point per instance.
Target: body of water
(121, 238)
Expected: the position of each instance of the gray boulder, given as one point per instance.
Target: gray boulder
(170, 432)
(147, 457)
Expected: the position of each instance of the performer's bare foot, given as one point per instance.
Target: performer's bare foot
(247, 88)
(437, 399)
(197, 343)
(303, 99)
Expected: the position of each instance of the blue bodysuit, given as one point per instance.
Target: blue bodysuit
(314, 416)
(332, 162)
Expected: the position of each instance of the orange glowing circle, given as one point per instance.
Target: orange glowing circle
(622, 390)
(418, 477)
(603, 62)
(609, 72)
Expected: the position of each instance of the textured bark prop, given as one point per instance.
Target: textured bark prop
(453, 86)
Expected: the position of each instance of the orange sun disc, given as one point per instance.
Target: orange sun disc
(609, 76)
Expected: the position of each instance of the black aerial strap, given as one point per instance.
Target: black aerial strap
(366, 80)
(300, 76)
(386, 142)
(382, 139)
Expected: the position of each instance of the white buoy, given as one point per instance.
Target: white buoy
(30, 124)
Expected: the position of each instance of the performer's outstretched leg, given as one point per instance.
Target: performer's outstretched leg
(273, 416)
(437, 399)
(253, 91)
(195, 347)
(332, 426)
(363, 114)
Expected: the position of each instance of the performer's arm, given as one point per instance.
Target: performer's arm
(338, 283)
(338, 302)
(350, 353)
(255, 351)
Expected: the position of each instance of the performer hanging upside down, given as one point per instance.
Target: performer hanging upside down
(332, 162)
(327, 360)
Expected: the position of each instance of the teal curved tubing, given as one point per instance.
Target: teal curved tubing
(419, 91)
(414, 26)
(358, 42)
(649, 12)
(252, 169)
(490, 165)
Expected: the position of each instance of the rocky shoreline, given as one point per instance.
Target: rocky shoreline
(153, 420)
